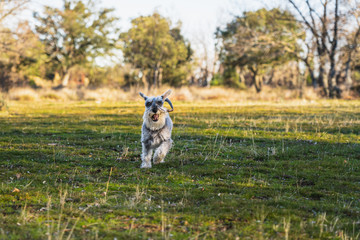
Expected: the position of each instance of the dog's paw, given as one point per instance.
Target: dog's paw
(145, 165)
(159, 161)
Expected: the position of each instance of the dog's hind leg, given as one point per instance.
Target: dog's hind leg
(146, 156)
(162, 151)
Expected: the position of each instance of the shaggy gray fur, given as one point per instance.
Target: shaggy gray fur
(156, 130)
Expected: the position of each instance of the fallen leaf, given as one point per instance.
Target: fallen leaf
(16, 190)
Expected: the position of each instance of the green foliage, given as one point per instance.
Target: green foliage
(217, 80)
(356, 76)
(21, 56)
(177, 75)
(308, 79)
(76, 34)
(261, 39)
(108, 76)
(243, 170)
(3, 103)
(232, 78)
(159, 51)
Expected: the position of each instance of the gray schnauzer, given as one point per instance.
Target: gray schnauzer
(156, 129)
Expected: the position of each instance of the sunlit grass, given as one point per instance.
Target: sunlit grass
(280, 170)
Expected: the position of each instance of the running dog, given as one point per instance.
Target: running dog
(156, 129)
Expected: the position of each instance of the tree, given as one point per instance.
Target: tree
(76, 34)
(350, 49)
(328, 25)
(205, 60)
(260, 40)
(159, 51)
(10, 8)
(20, 49)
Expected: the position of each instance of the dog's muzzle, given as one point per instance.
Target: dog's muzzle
(155, 117)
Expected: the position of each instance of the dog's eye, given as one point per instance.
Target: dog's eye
(148, 104)
(159, 102)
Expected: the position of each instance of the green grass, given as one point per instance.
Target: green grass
(248, 171)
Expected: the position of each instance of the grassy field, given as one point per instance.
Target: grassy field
(252, 170)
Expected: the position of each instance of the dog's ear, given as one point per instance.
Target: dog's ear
(143, 96)
(166, 94)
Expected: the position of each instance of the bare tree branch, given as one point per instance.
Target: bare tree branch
(313, 30)
(5, 12)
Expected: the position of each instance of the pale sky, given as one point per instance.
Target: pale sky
(199, 17)
(195, 14)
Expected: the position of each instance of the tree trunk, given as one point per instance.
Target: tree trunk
(258, 83)
(57, 79)
(144, 79)
(314, 82)
(65, 80)
(348, 79)
(205, 78)
(160, 77)
(325, 82)
(323, 78)
(334, 91)
(301, 82)
(156, 75)
(313, 79)
(320, 78)
(256, 80)
(241, 75)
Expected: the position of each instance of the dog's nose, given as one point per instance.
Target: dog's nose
(155, 110)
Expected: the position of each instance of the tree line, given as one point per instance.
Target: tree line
(308, 44)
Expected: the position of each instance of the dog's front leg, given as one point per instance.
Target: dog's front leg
(162, 151)
(146, 156)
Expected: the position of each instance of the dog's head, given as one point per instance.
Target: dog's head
(154, 107)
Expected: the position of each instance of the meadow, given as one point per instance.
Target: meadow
(238, 170)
